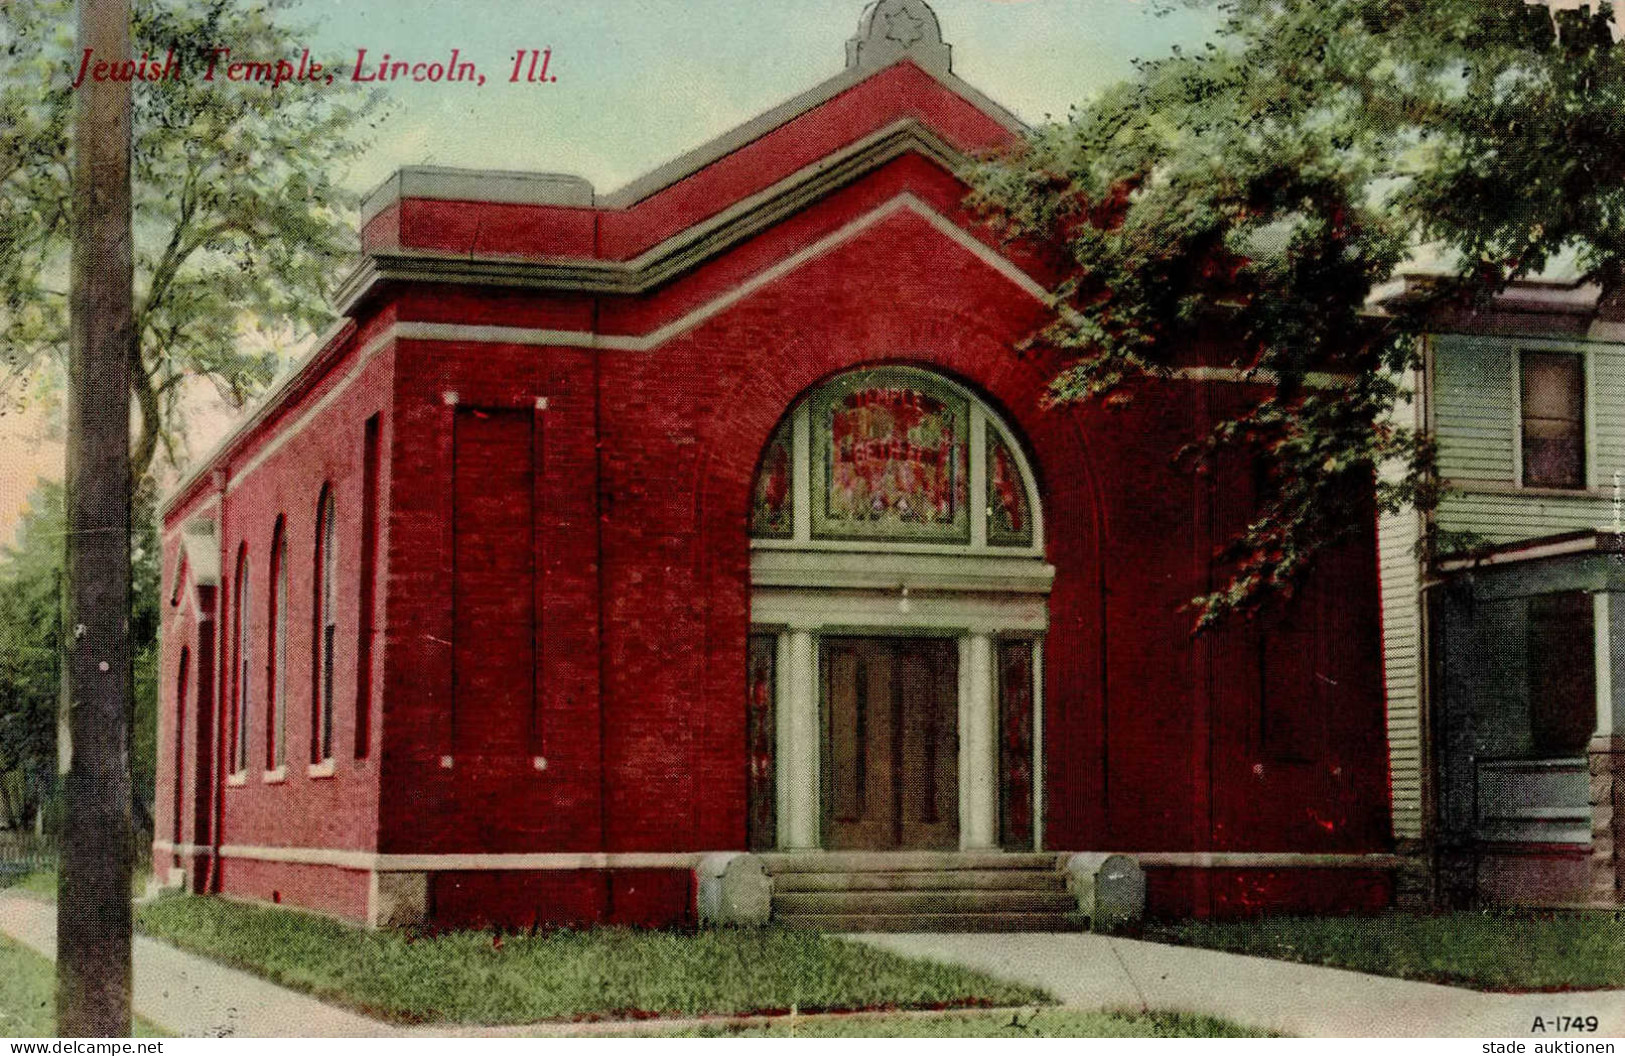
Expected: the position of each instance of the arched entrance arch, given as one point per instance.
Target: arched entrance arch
(899, 601)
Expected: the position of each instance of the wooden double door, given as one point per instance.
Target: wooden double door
(891, 743)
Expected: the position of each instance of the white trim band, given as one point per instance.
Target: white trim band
(561, 861)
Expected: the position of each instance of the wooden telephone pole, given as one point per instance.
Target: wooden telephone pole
(93, 968)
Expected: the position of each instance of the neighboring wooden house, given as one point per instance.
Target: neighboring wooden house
(1506, 644)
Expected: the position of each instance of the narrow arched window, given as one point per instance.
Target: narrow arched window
(276, 717)
(241, 688)
(324, 630)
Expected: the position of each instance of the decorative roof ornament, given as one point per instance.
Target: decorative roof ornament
(891, 30)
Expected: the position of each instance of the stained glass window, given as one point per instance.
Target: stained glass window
(891, 454)
(1009, 514)
(772, 510)
(884, 455)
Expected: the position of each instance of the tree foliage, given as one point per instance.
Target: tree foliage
(240, 227)
(30, 660)
(1239, 206)
(240, 221)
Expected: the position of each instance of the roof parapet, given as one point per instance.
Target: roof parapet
(440, 183)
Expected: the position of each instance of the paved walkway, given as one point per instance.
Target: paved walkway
(1304, 1000)
(196, 997)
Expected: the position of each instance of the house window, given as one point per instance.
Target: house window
(1562, 674)
(241, 683)
(1553, 402)
(276, 719)
(324, 631)
(893, 455)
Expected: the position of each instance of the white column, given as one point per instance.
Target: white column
(978, 745)
(797, 748)
(1038, 744)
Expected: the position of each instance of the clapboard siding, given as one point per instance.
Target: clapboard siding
(1502, 518)
(1400, 580)
(1473, 408)
(1475, 421)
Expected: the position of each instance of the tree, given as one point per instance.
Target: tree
(241, 223)
(30, 667)
(239, 229)
(1200, 217)
(30, 663)
(1239, 206)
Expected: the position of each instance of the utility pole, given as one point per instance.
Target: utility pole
(93, 969)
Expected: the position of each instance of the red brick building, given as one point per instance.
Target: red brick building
(725, 513)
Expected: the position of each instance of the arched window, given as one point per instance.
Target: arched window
(242, 685)
(276, 663)
(895, 455)
(324, 630)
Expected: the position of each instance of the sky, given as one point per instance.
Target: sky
(641, 81)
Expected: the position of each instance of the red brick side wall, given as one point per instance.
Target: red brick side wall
(304, 811)
(339, 892)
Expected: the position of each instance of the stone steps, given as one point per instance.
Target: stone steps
(933, 922)
(921, 891)
(923, 880)
(848, 903)
(903, 861)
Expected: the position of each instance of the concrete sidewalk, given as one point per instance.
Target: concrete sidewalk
(192, 996)
(1094, 971)
(195, 997)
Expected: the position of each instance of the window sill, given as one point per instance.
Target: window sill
(318, 770)
(237, 780)
(277, 776)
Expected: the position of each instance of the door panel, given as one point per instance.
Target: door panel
(891, 743)
(928, 794)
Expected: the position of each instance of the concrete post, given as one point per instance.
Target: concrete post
(734, 889)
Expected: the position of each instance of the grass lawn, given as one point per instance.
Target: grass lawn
(1499, 950)
(1003, 1023)
(469, 977)
(28, 995)
(27, 992)
(42, 882)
